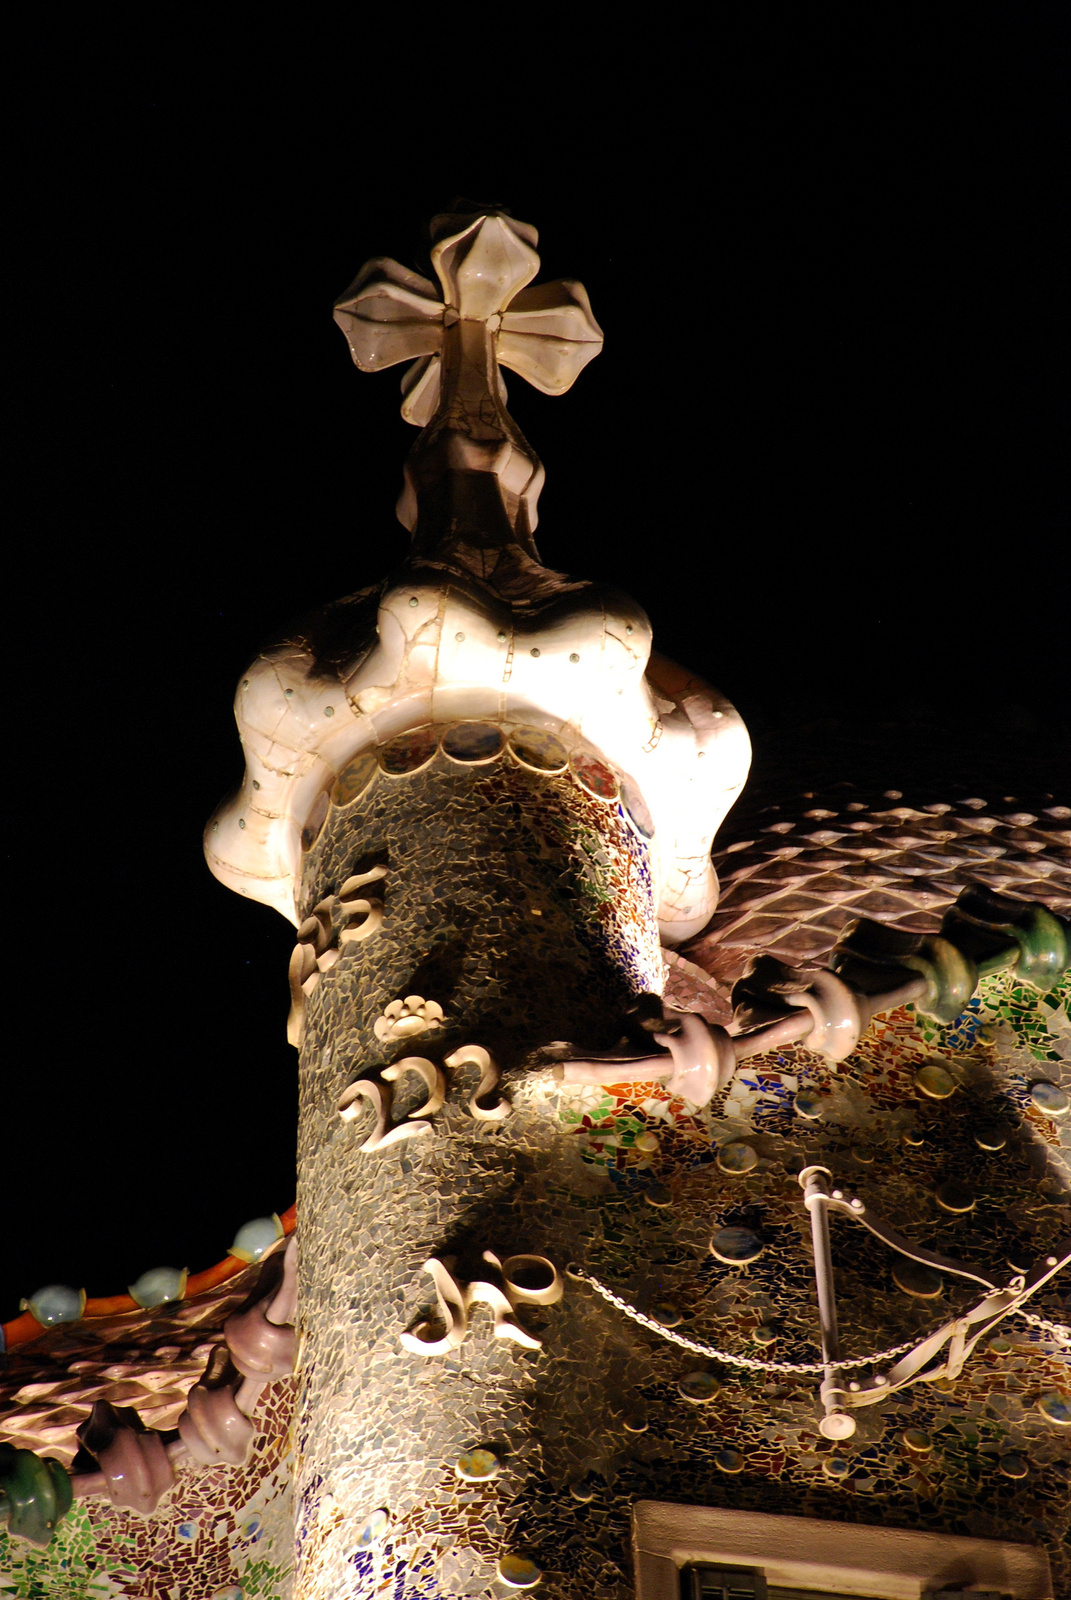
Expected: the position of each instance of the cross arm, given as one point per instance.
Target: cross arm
(549, 335)
(389, 314)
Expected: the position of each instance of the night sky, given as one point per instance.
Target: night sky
(825, 445)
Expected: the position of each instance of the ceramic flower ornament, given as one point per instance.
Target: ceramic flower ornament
(404, 1019)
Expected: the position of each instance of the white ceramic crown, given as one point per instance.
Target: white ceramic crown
(443, 660)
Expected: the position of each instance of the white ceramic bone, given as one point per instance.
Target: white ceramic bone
(259, 1348)
(136, 1470)
(475, 1055)
(837, 1019)
(283, 1305)
(701, 1061)
(213, 1428)
(551, 1292)
(703, 1058)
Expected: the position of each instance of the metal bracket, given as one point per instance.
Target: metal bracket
(1004, 1294)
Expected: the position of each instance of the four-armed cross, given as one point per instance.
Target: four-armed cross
(471, 476)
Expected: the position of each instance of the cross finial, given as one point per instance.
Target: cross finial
(472, 479)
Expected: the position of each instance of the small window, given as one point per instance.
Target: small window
(702, 1582)
(713, 1553)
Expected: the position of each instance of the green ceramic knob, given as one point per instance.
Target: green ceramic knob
(35, 1493)
(55, 1303)
(160, 1286)
(951, 978)
(1043, 946)
(254, 1239)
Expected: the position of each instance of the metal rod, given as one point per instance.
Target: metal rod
(814, 1181)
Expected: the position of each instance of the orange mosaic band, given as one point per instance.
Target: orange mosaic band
(20, 1330)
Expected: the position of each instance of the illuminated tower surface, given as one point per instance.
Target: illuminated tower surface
(491, 739)
(643, 1229)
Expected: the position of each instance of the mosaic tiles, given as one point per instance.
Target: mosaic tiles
(596, 1419)
(215, 1529)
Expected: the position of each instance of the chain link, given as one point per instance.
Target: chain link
(714, 1354)
(1055, 1329)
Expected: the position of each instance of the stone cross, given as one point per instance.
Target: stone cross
(488, 317)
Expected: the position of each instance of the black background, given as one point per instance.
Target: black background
(825, 445)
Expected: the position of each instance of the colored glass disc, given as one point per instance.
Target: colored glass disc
(354, 778)
(736, 1246)
(473, 742)
(1050, 1099)
(699, 1387)
(477, 1466)
(955, 1197)
(913, 1277)
(517, 1572)
(1056, 1408)
(935, 1082)
(409, 752)
(667, 1314)
(594, 776)
(636, 809)
(373, 1530)
(737, 1158)
(543, 752)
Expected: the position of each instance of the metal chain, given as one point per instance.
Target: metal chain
(1057, 1330)
(725, 1355)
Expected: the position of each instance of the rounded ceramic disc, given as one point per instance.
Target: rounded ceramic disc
(354, 778)
(990, 1138)
(736, 1246)
(729, 1461)
(934, 1082)
(594, 776)
(810, 1104)
(473, 742)
(737, 1158)
(913, 1277)
(699, 1387)
(408, 753)
(636, 809)
(1050, 1099)
(539, 750)
(918, 1442)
